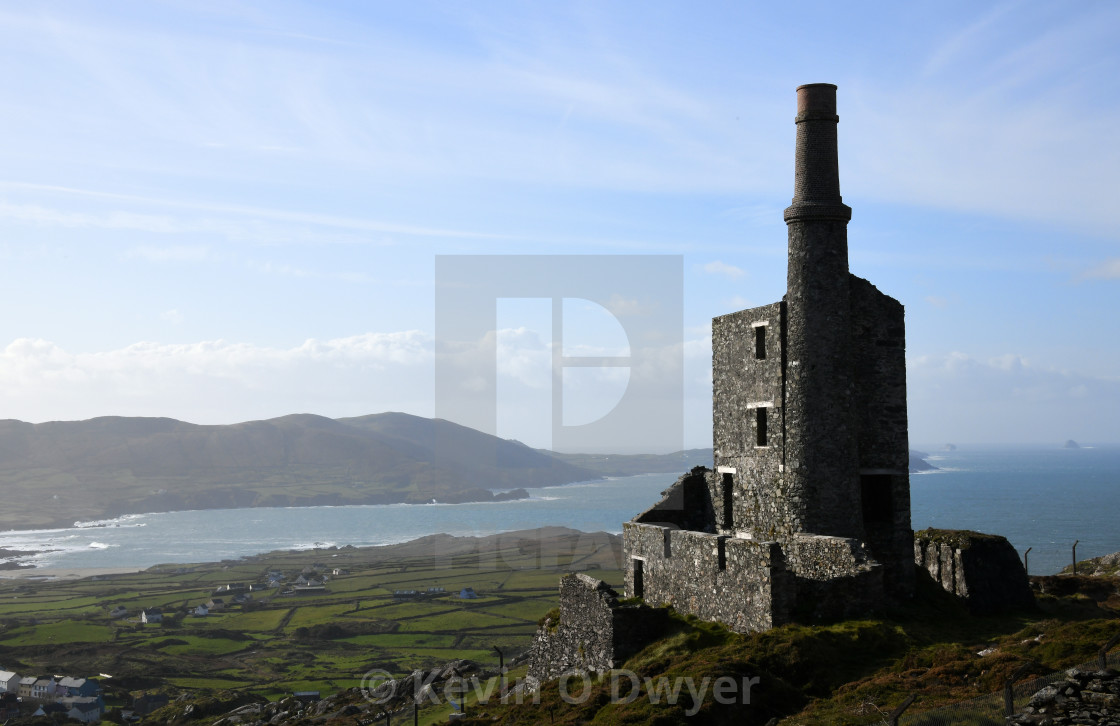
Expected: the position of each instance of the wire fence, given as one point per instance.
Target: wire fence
(993, 709)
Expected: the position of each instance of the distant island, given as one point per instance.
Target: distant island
(1071, 444)
(918, 462)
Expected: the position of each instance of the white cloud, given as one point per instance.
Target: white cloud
(1106, 270)
(722, 268)
(172, 316)
(173, 253)
(956, 397)
(219, 381)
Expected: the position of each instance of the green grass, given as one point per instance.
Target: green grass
(257, 650)
(61, 632)
(455, 620)
(206, 646)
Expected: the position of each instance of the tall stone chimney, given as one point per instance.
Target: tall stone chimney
(821, 448)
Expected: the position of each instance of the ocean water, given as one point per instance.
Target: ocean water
(1043, 498)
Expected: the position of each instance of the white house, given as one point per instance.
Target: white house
(25, 685)
(151, 615)
(9, 682)
(44, 689)
(202, 610)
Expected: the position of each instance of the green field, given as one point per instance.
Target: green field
(278, 643)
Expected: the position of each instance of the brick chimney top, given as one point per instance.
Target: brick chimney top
(816, 97)
(816, 176)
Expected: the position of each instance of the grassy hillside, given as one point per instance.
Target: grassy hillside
(55, 473)
(848, 672)
(851, 672)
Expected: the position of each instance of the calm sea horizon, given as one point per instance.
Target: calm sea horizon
(1044, 498)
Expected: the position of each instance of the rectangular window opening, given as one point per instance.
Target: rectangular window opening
(876, 498)
(760, 426)
(667, 539)
(721, 553)
(639, 578)
(760, 342)
(728, 500)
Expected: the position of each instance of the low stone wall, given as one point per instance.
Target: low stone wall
(741, 583)
(818, 557)
(835, 577)
(1082, 698)
(982, 569)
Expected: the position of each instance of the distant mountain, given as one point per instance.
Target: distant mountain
(53, 474)
(630, 464)
(681, 461)
(56, 473)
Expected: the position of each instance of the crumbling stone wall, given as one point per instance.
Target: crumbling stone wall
(982, 569)
(594, 632)
(1082, 698)
(835, 577)
(741, 583)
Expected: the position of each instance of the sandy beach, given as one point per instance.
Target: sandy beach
(64, 573)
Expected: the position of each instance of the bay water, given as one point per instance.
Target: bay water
(1044, 498)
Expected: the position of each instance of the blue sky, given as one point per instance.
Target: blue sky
(229, 211)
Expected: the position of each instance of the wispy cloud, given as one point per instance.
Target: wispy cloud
(1106, 270)
(241, 222)
(174, 253)
(958, 397)
(722, 268)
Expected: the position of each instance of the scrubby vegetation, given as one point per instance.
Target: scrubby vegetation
(852, 672)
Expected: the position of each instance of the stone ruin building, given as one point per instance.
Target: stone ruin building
(807, 511)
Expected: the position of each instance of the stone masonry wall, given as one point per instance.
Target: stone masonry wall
(593, 633)
(1082, 698)
(879, 404)
(741, 583)
(583, 639)
(982, 569)
(835, 577)
(741, 381)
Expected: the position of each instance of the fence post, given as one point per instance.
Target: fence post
(1102, 656)
(1027, 561)
(1075, 555)
(892, 719)
(1009, 685)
